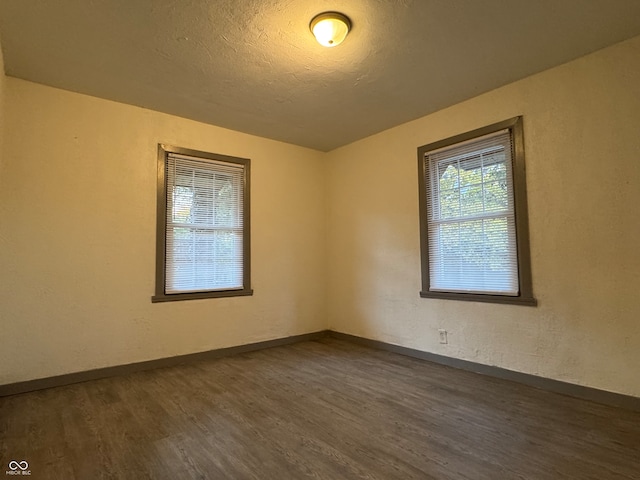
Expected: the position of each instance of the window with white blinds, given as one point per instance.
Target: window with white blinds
(204, 226)
(471, 218)
(470, 232)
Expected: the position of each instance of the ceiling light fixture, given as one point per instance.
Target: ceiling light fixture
(330, 28)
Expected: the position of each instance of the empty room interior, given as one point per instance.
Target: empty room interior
(322, 239)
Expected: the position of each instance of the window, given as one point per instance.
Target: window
(473, 217)
(202, 226)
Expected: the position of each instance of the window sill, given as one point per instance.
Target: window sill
(174, 297)
(475, 297)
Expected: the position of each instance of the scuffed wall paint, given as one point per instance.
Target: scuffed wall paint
(77, 248)
(581, 124)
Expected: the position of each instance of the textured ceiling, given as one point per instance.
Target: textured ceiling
(253, 65)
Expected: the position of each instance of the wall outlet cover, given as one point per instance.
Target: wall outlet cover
(443, 336)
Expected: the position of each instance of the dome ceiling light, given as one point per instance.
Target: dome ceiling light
(330, 28)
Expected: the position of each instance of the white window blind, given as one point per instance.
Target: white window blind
(204, 230)
(471, 221)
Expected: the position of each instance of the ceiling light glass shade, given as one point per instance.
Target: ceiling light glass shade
(330, 28)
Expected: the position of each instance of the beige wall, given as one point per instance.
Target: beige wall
(78, 232)
(2, 113)
(582, 144)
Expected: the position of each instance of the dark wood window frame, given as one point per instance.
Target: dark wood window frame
(161, 222)
(525, 295)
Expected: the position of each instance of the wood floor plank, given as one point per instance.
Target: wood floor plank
(325, 410)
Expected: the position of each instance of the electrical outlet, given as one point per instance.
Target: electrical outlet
(443, 336)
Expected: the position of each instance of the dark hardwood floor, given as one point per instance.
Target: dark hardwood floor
(323, 410)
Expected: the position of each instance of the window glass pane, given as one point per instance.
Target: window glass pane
(449, 200)
(471, 171)
(471, 199)
(182, 203)
(202, 213)
(496, 197)
(495, 170)
(204, 249)
(225, 201)
(472, 244)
